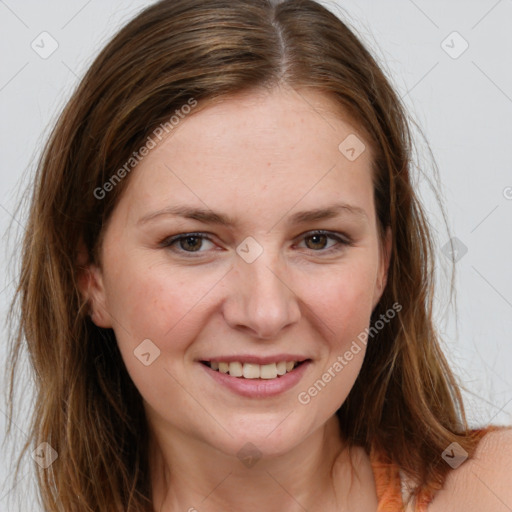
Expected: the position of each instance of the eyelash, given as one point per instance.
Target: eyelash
(342, 241)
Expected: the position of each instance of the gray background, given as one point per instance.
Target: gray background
(461, 98)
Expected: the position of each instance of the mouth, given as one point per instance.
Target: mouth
(254, 371)
(256, 381)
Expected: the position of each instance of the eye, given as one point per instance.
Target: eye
(319, 239)
(187, 242)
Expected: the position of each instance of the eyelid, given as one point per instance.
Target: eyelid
(171, 240)
(342, 240)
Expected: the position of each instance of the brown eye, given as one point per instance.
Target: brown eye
(318, 241)
(186, 243)
(191, 243)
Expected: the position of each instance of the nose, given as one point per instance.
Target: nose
(261, 300)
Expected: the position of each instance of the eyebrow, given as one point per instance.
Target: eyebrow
(210, 217)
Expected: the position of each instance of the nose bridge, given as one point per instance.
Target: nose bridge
(264, 301)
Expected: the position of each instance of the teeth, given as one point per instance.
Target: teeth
(254, 371)
(250, 371)
(236, 369)
(281, 368)
(268, 371)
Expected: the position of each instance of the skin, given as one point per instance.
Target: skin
(258, 157)
(480, 483)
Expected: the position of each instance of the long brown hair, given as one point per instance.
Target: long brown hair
(405, 403)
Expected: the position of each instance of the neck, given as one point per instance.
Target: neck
(188, 475)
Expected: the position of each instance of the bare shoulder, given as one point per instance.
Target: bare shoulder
(483, 482)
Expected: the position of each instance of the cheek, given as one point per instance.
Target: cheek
(343, 298)
(158, 302)
(345, 318)
(343, 302)
(164, 306)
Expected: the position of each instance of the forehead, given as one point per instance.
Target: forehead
(260, 150)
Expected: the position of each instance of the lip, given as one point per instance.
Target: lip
(248, 358)
(258, 388)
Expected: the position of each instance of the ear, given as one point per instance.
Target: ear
(385, 258)
(91, 286)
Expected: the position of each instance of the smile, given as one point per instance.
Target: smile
(253, 380)
(253, 370)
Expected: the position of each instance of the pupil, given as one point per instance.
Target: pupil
(186, 240)
(316, 237)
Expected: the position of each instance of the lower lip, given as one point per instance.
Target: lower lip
(259, 388)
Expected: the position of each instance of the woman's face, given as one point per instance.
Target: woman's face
(255, 284)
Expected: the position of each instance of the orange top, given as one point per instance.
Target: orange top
(389, 485)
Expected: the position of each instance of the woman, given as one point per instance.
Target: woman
(227, 281)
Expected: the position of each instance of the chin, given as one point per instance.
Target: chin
(270, 437)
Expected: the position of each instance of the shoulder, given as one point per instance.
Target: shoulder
(482, 482)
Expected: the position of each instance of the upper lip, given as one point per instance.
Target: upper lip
(248, 358)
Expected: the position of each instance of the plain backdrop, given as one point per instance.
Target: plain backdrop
(451, 64)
